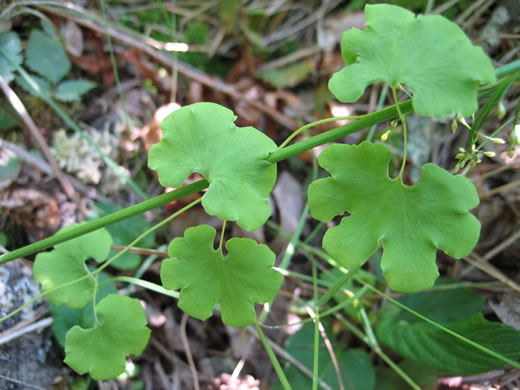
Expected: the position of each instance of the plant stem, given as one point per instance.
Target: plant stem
(405, 138)
(107, 263)
(329, 136)
(110, 219)
(152, 229)
(316, 347)
(274, 360)
(222, 237)
(332, 135)
(313, 124)
(331, 291)
(378, 351)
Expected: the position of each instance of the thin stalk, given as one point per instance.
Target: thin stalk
(316, 346)
(380, 102)
(334, 289)
(443, 328)
(378, 351)
(341, 131)
(289, 251)
(94, 296)
(110, 219)
(222, 237)
(114, 69)
(274, 360)
(405, 138)
(143, 283)
(314, 124)
(152, 229)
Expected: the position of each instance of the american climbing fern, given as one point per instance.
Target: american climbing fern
(432, 60)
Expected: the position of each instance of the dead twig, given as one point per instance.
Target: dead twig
(187, 351)
(17, 104)
(9, 335)
(478, 261)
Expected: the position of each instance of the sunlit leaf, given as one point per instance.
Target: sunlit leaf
(102, 350)
(205, 276)
(11, 46)
(429, 54)
(203, 138)
(66, 263)
(410, 222)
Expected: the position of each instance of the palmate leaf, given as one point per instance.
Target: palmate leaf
(425, 344)
(67, 263)
(429, 54)
(203, 138)
(64, 318)
(102, 350)
(236, 281)
(411, 222)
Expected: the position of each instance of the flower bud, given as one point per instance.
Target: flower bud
(501, 110)
(384, 137)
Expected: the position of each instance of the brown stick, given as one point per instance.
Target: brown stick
(35, 133)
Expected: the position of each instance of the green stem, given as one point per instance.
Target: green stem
(405, 138)
(94, 296)
(110, 219)
(378, 351)
(334, 289)
(329, 136)
(222, 237)
(314, 124)
(274, 360)
(332, 135)
(316, 347)
(145, 284)
(152, 229)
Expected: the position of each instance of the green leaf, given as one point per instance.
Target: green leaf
(123, 233)
(203, 138)
(355, 364)
(64, 318)
(7, 116)
(66, 263)
(3, 239)
(410, 222)
(11, 46)
(205, 276)
(429, 54)
(47, 57)
(43, 85)
(102, 350)
(388, 379)
(71, 90)
(10, 167)
(423, 343)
